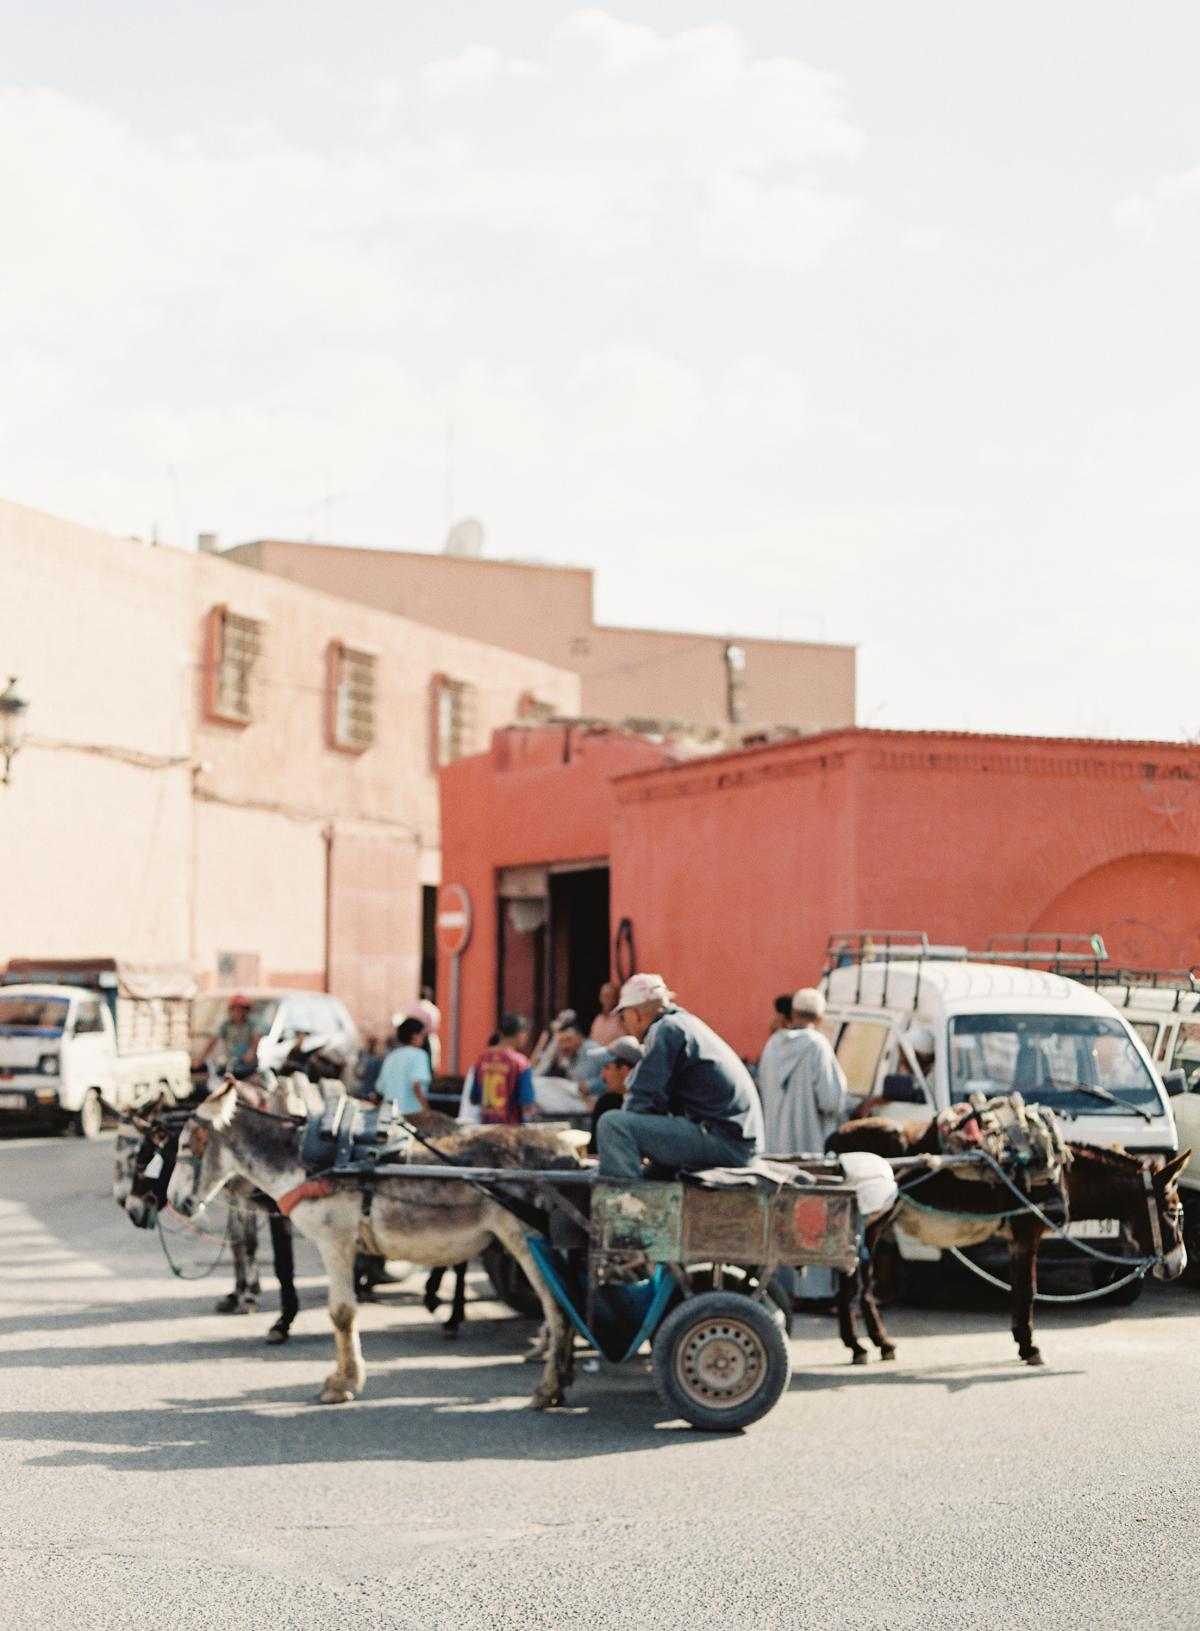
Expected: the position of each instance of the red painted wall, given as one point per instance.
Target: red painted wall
(538, 796)
(735, 870)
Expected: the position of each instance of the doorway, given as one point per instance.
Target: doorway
(579, 949)
(553, 950)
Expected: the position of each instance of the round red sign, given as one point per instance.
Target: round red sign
(453, 919)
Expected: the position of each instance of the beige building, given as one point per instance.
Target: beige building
(636, 675)
(226, 769)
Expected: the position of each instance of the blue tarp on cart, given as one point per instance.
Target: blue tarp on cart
(626, 1315)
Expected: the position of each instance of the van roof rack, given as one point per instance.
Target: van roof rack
(856, 947)
(1074, 954)
(1045, 950)
(1184, 982)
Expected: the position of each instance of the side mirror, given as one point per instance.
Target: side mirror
(902, 1090)
(1175, 1082)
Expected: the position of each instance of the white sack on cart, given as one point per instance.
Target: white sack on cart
(873, 1179)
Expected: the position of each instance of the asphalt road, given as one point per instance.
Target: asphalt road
(160, 1467)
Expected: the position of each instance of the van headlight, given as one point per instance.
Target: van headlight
(48, 1064)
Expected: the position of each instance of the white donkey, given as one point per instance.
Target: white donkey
(430, 1221)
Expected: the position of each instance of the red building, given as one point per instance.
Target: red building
(731, 871)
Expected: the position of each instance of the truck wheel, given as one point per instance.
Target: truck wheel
(720, 1361)
(510, 1283)
(1125, 1296)
(1191, 1238)
(89, 1118)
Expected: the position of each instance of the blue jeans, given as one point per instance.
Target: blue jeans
(623, 1137)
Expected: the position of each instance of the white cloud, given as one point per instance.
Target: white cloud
(1169, 194)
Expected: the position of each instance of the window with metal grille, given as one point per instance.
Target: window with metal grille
(454, 719)
(351, 711)
(234, 647)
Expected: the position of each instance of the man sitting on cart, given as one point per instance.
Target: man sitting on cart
(689, 1104)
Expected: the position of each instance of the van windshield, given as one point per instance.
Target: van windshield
(1049, 1058)
(209, 1013)
(43, 1015)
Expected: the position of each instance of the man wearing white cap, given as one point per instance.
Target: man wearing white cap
(803, 1092)
(689, 1104)
(802, 1085)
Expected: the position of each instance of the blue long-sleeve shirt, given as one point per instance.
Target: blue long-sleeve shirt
(687, 1070)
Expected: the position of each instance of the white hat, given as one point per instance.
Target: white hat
(640, 988)
(809, 1002)
(921, 1040)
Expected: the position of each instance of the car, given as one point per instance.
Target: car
(279, 1017)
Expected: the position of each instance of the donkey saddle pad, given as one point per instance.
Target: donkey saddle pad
(1024, 1139)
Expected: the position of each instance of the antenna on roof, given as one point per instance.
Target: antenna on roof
(464, 539)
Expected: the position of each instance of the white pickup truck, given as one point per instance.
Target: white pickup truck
(60, 1057)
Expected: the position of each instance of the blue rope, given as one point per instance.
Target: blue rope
(1140, 1264)
(1135, 1273)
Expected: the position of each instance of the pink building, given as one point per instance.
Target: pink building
(632, 675)
(229, 770)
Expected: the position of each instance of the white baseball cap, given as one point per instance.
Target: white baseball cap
(640, 988)
(810, 1002)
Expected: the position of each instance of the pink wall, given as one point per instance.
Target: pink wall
(137, 828)
(546, 612)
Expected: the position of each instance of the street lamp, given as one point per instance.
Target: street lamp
(12, 724)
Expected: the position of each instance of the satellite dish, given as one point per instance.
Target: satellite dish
(465, 538)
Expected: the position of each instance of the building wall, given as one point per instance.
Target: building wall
(736, 870)
(538, 796)
(546, 612)
(140, 829)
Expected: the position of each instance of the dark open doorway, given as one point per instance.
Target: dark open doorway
(553, 941)
(579, 935)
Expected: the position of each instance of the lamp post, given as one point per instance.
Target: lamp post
(12, 724)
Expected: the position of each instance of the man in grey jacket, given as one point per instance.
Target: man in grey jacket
(803, 1098)
(690, 1103)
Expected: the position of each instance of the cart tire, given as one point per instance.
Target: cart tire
(780, 1301)
(510, 1282)
(720, 1361)
(89, 1118)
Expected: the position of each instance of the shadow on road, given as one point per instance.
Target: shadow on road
(406, 1416)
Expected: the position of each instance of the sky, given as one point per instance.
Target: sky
(866, 322)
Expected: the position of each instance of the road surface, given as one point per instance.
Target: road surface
(161, 1467)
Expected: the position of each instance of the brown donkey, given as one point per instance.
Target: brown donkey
(1096, 1184)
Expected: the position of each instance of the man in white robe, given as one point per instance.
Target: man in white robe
(803, 1092)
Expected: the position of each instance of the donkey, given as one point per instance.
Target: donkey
(1096, 1184)
(140, 1188)
(422, 1220)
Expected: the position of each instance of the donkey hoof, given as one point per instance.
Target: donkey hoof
(1033, 1358)
(450, 1332)
(859, 1359)
(278, 1333)
(545, 1398)
(887, 1353)
(335, 1395)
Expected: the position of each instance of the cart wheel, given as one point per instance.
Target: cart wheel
(778, 1302)
(720, 1361)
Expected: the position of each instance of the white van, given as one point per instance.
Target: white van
(61, 1060)
(994, 1028)
(1164, 1009)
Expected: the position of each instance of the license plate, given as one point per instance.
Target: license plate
(1095, 1229)
(12, 1101)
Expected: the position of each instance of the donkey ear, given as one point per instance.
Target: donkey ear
(1168, 1174)
(220, 1107)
